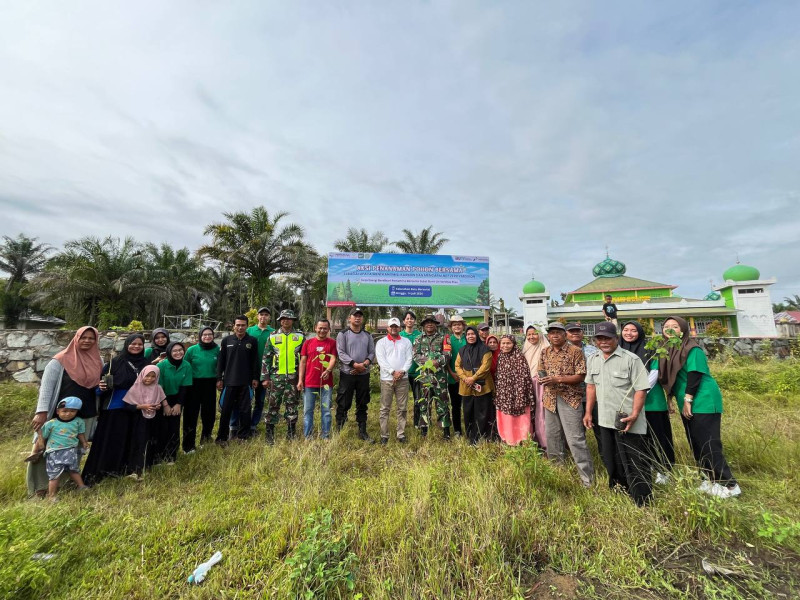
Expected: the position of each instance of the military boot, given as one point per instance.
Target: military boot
(291, 430)
(270, 435)
(362, 433)
(447, 433)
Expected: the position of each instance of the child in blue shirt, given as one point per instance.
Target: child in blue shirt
(59, 440)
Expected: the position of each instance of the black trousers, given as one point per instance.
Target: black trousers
(143, 442)
(626, 460)
(455, 404)
(476, 416)
(416, 392)
(350, 385)
(235, 397)
(661, 448)
(703, 433)
(201, 402)
(169, 438)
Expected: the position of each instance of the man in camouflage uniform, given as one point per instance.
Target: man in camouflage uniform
(279, 368)
(432, 346)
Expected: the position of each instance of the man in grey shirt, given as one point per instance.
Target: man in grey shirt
(617, 381)
(356, 350)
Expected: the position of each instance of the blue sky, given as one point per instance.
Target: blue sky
(535, 133)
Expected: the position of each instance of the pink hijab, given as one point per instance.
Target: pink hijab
(140, 393)
(83, 367)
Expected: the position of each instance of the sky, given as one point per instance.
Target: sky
(536, 133)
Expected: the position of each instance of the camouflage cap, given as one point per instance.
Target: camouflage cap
(430, 317)
(287, 314)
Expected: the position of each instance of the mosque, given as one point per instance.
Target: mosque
(742, 303)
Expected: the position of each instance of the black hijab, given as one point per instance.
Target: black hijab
(204, 345)
(125, 367)
(174, 362)
(159, 349)
(472, 354)
(638, 345)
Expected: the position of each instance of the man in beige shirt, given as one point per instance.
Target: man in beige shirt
(617, 381)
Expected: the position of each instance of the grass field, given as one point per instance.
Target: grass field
(427, 520)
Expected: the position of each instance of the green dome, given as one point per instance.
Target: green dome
(533, 287)
(609, 268)
(712, 296)
(741, 273)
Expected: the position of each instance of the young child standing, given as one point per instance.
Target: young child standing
(58, 440)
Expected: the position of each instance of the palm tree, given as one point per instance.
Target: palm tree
(425, 242)
(21, 258)
(359, 240)
(181, 274)
(256, 245)
(311, 283)
(226, 293)
(792, 303)
(97, 281)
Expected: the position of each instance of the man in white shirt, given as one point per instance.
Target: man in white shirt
(394, 355)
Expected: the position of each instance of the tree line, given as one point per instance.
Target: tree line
(250, 259)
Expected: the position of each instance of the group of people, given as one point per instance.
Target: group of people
(139, 408)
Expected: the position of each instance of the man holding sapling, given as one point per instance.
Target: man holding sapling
(432, 353)
(317, 359)
(617, 381)
(562, 370)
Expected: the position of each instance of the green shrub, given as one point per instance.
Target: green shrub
(321, 565)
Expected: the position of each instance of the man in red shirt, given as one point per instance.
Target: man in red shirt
(317, 359)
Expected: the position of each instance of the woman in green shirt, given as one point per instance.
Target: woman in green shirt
(175, 380)
(659, 429)
(686, 377)
(202, 400)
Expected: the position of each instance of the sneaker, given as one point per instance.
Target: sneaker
(384, 441)
(402, 440)
(134, 476)
(170, 463)
(662, 479)
(722, 491)
(705, 486)
(190, 451)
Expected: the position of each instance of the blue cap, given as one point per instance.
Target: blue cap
(71, 402)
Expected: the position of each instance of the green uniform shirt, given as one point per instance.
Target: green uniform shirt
(203, 362)
(455, 345)
(708, 399)
(173, 379)
(411, 337)
(656, 400)
(262, 336)
(616, 380)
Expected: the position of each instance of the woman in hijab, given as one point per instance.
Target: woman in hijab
(111, 444)
(176, 381)
(159, 340)
(473, 367)
(535, 342)
(202, 400)
(75, 371)
(657, 410)
(513, 393)
(686, 377)
(146, 398)
(493, 343)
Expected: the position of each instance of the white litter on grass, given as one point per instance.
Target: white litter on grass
(199, 574)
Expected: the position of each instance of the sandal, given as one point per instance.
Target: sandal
(34, 457)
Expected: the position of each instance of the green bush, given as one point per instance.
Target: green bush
(321, 565)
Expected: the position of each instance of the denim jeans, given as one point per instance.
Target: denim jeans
(309, 401)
